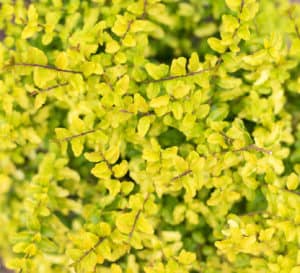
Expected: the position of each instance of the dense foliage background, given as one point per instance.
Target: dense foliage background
(155, 136)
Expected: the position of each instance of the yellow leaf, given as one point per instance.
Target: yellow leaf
(61, 60)
(143, 126)
(40, 99)
(77, 146)
(101, 170)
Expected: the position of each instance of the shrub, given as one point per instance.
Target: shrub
(155, 136)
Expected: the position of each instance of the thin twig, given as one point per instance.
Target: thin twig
(295, 25)
(255, 148)
(126, 111)
(290, 191)
(242, 6)
(185, 173)
(89, 251)
(78, 135)
(143, 16)
(50, 67)
(228, 139)
(127, 30)
(105, 160)
(177, 77)
(40, 90)
(136, 218)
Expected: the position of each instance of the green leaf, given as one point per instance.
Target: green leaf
(48, 246)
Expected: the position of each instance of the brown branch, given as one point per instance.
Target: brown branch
(294, 22)
(126, 111)
(40, 90)
(50, 67)
(290, 191)
(178, 77)
(228, 139)
(136, 218)
(185, 173)
(143, 114)
(89, 251)
(255, 148)
(127, 30)
(143, 16)
(105, 160)
(78, 135)
(242, 6)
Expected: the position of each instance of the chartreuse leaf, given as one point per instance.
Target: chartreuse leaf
(143, 125)
(88, 263)
(115, 268)
(112, 154)
(144, 225)
(194, 63)
(217, 45)
(249, 11)
(229, 23)
(101, 170)
(93, 156)
(42, 77)
(157, 71)
(84, 240)
(124, 222)
(32, 25)
(234, 4)
(40, 100)
(36, 56)
(62, 60)
(292, 181)
(186, 257)
(89, 68)
(120, 26)
(178, 67)
(112, 46)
